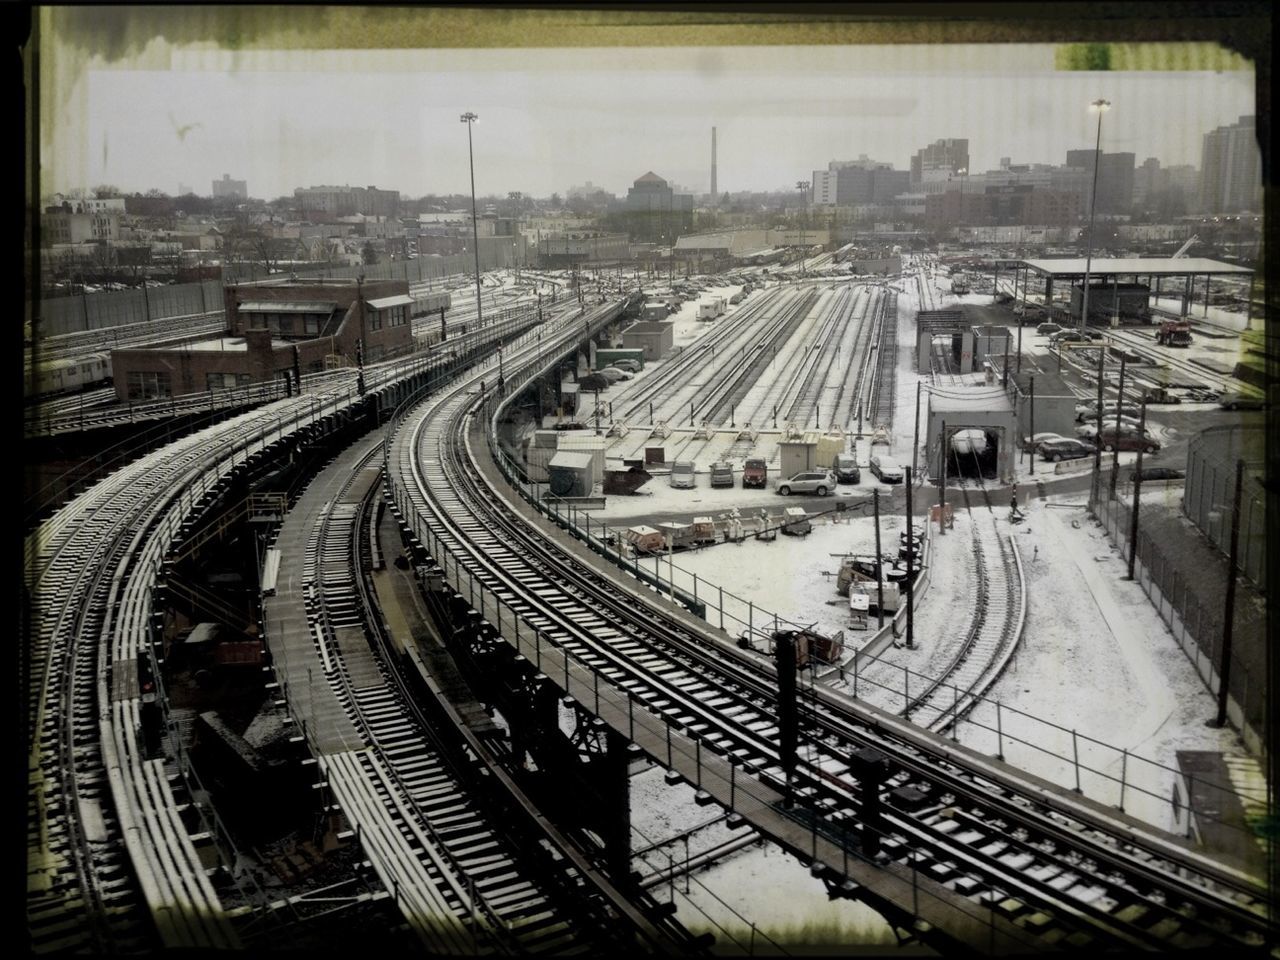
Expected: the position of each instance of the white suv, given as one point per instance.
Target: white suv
(818, 482)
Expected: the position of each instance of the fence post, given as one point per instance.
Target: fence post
(999, 734)
(1075, 759)
(1124, 764)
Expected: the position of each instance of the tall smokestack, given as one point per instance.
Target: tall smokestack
(714, 195)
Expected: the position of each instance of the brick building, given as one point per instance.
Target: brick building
(271, 331)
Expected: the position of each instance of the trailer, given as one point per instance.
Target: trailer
(676, 536)
(797, 522)
(704, 530)
(711, 308)
(1174, 333)
(644, 539)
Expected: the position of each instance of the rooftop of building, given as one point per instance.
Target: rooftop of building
(1151, 266)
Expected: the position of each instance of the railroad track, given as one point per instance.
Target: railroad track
(883, 389)
(1044, 867)
(460, 884)
(112, 858)
(95, 791)
(998, 613)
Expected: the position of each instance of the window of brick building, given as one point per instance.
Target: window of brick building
(148, 384)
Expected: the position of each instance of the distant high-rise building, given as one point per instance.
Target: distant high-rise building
(1230, 168)
(226, 187)
(822, 188)
(853, 182)
(939, 160)
(184, 189)
(1115, 179)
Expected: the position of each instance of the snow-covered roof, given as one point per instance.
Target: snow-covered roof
(979, 398)
(1155, 266)
(383, 303)
(572, 461)
(288, 306)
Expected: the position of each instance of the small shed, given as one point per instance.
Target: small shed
(797, 456)
(654, 337)
(571, 474)
(584, 441)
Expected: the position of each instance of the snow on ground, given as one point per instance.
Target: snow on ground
(785, 577)
(759, 884)
(1095, 656)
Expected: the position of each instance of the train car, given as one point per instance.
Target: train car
(50, 377)
(966, 442)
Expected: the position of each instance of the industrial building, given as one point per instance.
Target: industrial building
(275, 332)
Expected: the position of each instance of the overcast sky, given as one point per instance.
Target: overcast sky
(550, 119)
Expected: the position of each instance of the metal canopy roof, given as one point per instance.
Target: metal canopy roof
(383, 303)
(1118, 266)
(288, 306)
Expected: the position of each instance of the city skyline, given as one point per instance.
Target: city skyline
(552, 118)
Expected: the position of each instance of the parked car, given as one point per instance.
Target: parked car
(615, 373)
(1127, 425)
(1066, 449)
(1123, 441)
(886, 469)
(1159, 473)
(846, 469)
(755, 472)
(721, 474)
(1040, 438)
(682, 475)
(1109, 412)
(1234, 400)
(815, 481)
(1049, 327)
(632, 366)
(1069, 336)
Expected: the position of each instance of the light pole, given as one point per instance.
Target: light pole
(803, 187)
(1101, 106)
(469, 118)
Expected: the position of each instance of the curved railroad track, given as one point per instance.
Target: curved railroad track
(1065, 870)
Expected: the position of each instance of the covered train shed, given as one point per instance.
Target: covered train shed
(985, 409)
(1144, 275)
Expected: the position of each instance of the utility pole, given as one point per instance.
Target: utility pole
(875, 504)
(1101, 106)
(1115, 461)
(915, 436)
(1097, 440)
(1031, 432)
(469, 118)
(1228, 621)
(942, 489)
(911, 550)
(1137, 487)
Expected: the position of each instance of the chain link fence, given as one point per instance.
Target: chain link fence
(1193, 617)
